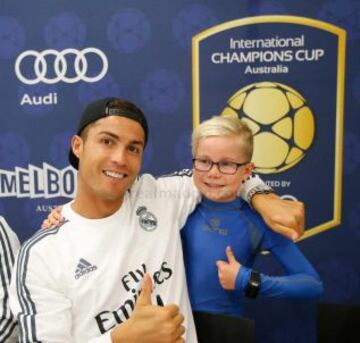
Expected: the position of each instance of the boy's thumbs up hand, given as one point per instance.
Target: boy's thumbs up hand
(228, 270)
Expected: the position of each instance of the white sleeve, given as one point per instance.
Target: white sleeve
(177, 189)
(38, 298)
(184, 193)
(9, 245)
(253, 184)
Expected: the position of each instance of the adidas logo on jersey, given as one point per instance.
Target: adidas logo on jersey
(84, 267)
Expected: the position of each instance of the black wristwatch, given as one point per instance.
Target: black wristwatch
(253, 286)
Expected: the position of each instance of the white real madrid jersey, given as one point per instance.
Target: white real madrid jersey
(77, 281)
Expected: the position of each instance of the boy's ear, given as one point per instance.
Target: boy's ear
(249, 168)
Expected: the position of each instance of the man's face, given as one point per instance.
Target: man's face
(213, 184)
(110, 153)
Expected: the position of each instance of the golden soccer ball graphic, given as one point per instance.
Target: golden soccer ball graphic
(281, 120)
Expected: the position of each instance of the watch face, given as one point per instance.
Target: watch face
(255, 279)
(253, 286)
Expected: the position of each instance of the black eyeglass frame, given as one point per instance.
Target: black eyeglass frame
(218, 165)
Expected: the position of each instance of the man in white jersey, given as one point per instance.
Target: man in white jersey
(9, 245)
(80, 281)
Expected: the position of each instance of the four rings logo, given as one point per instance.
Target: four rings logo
(60, 66)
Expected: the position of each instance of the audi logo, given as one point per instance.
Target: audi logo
(60, 66)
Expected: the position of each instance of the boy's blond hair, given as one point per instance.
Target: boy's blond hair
(224, 126)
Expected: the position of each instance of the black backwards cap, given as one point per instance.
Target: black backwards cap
(104, 108)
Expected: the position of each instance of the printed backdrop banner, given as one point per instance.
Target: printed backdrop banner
(277, 64)
(258, 69)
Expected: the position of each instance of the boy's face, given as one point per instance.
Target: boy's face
(213, 184)
(110, 155)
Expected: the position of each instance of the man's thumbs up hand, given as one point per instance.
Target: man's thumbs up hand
(150, 323)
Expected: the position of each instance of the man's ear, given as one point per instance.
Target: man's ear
(77, 145)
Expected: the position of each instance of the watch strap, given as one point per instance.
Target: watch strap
(253, 286)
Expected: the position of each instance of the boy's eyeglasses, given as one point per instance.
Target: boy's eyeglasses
(225, 167)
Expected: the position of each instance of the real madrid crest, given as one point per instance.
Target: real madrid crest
(147, 220)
